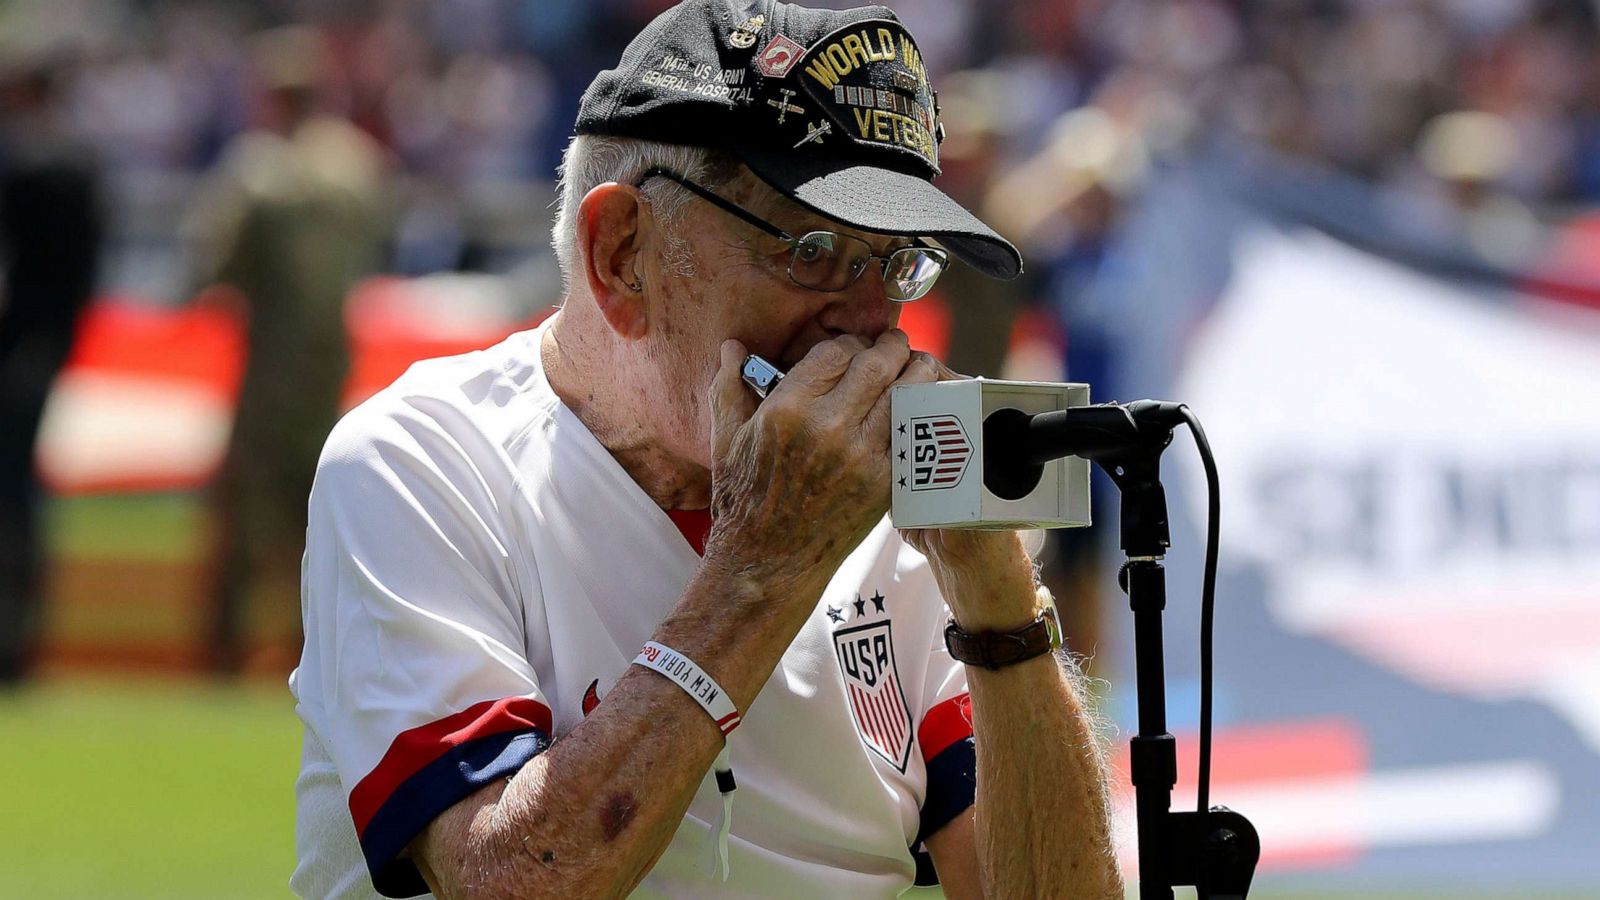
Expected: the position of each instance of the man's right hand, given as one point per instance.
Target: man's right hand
(800, 478)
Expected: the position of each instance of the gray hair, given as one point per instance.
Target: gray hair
(592, 160)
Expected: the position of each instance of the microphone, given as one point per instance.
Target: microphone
(978, 453)
(1017, 446)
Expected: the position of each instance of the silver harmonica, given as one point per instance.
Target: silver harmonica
(761, 375)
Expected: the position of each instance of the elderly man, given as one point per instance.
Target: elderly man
(585, 616)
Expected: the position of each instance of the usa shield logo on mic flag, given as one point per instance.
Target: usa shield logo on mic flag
(940, 452)
(872, 682)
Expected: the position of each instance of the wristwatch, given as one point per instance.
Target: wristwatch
(994, 650)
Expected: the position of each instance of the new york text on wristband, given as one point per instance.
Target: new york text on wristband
(694, 681)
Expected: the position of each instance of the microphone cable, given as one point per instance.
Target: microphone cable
(1208, 599)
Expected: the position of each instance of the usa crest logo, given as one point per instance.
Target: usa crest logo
(872, 682)
(940, 451)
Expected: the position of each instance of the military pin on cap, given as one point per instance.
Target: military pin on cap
(815, 133)
(784, 107)
(744, 37)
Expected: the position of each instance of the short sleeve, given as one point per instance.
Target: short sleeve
(944, 736)
(414, 670)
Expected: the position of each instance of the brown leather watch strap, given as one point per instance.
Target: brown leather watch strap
(997, 649)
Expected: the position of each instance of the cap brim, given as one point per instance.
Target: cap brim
(886, 202)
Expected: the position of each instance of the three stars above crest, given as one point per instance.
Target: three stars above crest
(837, 613)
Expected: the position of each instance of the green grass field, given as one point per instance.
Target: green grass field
(147, 789)
(120, 785)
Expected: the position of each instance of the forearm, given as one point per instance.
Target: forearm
(590, 815)
(1043, 825)
(1042, 818)
(587, 816)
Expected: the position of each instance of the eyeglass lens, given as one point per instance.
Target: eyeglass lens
(827, 261)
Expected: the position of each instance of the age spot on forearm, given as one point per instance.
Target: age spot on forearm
(616, 814)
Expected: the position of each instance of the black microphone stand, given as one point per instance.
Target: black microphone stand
(1214, 849)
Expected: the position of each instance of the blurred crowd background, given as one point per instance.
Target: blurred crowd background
(1490, 105)
(469, 97)
(287, 177)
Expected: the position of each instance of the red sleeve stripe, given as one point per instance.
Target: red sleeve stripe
(413, 750)
(947, 722)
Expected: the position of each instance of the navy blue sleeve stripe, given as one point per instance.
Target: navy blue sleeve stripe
(952, 787)
(435, 788)
(927, 875)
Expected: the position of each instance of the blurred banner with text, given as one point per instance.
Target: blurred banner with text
(1408, 625)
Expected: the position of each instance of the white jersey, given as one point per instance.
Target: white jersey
(480, 570)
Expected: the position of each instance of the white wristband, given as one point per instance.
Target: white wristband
(694, 681)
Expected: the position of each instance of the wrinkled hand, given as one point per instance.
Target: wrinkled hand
(799, 479)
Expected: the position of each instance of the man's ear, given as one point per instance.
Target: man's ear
(611, 221)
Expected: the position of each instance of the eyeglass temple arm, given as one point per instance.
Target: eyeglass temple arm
(724, 205)
(768, 227)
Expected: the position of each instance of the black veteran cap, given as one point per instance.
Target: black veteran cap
(831, 108)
